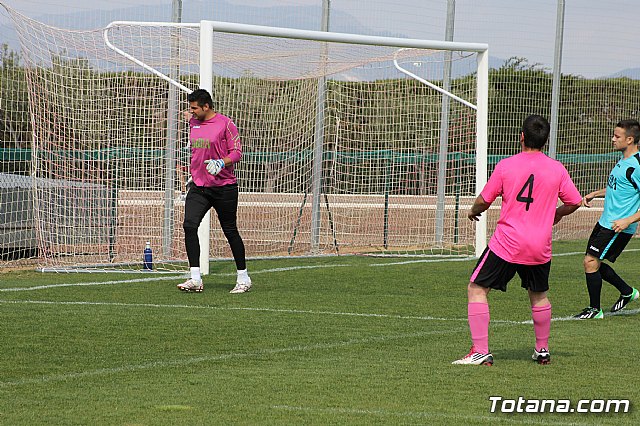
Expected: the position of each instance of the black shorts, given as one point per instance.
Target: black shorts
(606, 244)
(494, 272)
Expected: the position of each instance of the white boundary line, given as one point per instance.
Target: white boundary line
(226, 308)
(464, 259)
(423, 415)
(213, 358)
(582, 253)
(292, 311)
(162, 278)
(407, 262)
(263, 271)
(222, 357)
(44, 287)
(258, 353)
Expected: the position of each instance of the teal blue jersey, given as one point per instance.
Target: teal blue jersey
(622, 198)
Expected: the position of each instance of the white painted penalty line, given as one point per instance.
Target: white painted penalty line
(465, 259)
(182, 276)
(222, 357)
(163, 278)
(263, 271)
(289, 311)
(573, 253)
(421, 414)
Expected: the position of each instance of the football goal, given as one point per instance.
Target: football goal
(351, 143)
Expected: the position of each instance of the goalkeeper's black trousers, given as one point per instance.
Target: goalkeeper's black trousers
(224, 200)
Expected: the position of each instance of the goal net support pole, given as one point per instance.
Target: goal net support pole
(482, 135)
(482, 117)
(206, 82)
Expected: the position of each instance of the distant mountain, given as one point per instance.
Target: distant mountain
(632, 73)
(300, 17)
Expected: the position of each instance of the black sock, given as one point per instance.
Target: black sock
(610, 276)
(594, 286)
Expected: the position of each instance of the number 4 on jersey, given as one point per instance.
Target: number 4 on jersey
(528, 186)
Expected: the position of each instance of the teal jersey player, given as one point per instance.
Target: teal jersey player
(622, 198)
(618, 222)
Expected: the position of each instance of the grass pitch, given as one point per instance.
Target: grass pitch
(341, 340)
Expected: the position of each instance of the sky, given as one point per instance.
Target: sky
(596, 42)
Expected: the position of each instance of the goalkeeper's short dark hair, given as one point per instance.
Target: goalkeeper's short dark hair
(536, 131)
(201, 96)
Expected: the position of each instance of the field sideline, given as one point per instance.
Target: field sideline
(331, 340)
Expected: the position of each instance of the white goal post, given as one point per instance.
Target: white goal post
(340, 137)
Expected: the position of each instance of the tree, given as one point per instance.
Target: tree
(15, 130)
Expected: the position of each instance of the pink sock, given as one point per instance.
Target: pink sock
(478, 314)
(541, 324)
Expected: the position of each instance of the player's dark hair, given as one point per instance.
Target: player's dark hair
(631, 128)
(536, 131)
(201, 96)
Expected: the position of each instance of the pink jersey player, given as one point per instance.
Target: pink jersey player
(530, 184)
(213, 138)
(215, 149)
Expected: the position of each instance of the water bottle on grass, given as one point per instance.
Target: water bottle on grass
(147, 262)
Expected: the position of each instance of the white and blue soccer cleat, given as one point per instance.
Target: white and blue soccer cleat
(475, 358)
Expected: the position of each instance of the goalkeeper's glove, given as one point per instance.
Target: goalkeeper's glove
(214, 166)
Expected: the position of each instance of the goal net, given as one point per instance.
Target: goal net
(351, 144)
